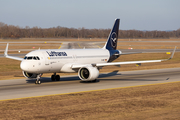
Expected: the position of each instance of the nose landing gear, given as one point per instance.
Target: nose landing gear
(38, 79)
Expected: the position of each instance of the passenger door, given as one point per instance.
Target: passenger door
(47, 58)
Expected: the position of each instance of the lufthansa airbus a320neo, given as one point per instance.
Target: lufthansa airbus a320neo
(86, 62)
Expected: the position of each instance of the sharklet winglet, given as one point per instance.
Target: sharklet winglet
(11, 57)
(5, 52)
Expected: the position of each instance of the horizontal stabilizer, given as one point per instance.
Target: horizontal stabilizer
(128, 53)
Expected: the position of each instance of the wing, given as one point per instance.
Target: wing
(75, 66)
(11, 57)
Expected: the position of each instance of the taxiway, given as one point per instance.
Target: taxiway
(10, 89)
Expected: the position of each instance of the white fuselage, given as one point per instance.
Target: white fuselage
(61, 60)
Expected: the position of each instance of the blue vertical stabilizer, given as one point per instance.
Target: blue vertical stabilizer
(111, 43)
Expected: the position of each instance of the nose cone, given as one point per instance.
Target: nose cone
(24, 66)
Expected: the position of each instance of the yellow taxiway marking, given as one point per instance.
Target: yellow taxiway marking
(60, 46)
(79, 45)
(90, 91)
(97, 45)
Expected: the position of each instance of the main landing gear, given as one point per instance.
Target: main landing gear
(55, 77)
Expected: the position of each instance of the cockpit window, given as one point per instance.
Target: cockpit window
(37, 58)
(34, 58)
(31, 58)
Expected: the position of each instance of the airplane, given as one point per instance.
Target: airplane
(86, 62)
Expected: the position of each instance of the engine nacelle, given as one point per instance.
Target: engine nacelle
(29, 75)
(88, 73)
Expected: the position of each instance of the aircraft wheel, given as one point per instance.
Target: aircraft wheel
(57, 77)
(53, 77)
(37, 82)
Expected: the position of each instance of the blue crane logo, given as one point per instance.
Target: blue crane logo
(113, 40)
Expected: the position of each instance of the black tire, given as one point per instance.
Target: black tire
(36, 82)
(57, 77)
(53, 77)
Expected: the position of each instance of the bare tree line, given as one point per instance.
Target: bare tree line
(10, 31)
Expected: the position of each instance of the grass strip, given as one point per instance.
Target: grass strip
(146, 102)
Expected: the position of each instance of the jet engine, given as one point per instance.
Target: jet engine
(29, 75)
(88, 73)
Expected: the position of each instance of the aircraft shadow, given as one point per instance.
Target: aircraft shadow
(131, 79)
(102, 77)
(72, 78)
(113, 73)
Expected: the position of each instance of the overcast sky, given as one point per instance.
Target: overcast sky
(134, 14)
